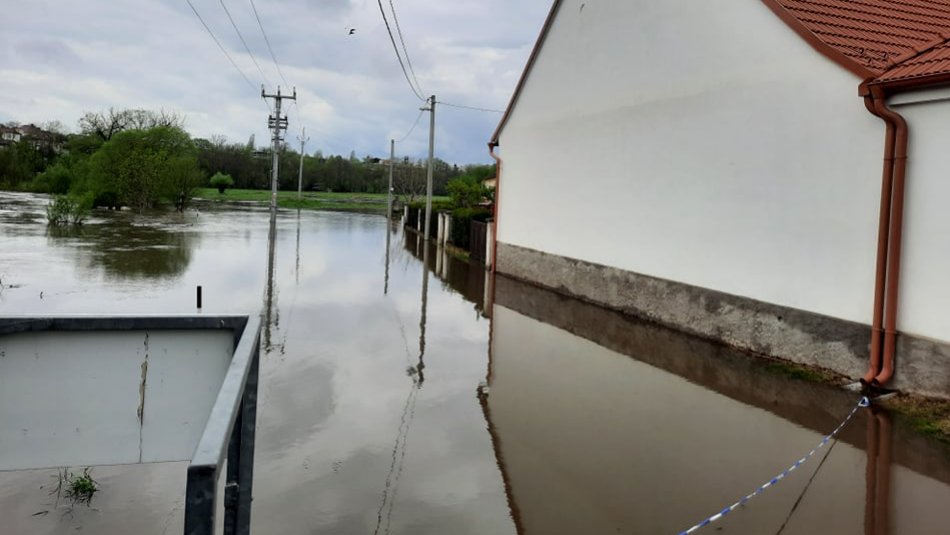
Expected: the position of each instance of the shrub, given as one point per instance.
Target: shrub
(413, 215)
(221, 181)
(467, 191)
(56, 179)
(68, 209)
(462, 225)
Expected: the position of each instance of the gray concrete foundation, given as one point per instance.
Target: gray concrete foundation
(923, 366)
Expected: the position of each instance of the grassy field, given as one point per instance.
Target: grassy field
(310, 200)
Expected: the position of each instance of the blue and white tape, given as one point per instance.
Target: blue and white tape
(864, 402)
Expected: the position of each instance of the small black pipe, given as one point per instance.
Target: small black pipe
(199, 296)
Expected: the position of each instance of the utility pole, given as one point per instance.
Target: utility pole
(303, 140)
(431, 110)
(392, 157)
(276, 122)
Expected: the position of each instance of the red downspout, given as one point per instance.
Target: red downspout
(494, 254)
(890, 231)
(877, 330)
(896, 234)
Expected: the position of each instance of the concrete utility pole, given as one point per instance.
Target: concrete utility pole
(392, 157)
(431, 110)
(303, 140)
(276, 123)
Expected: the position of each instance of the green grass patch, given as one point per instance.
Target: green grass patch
(75, 488)
(310, 200)
(929, 417)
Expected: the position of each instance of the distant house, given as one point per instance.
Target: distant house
(41, 139)
(716, 167)
(8, 135)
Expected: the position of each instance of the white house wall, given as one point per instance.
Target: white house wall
(925, 288)
(699, 142)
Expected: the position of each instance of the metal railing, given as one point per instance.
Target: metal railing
(230, 429)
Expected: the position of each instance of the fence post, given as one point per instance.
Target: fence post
(448, 228)
(419, 217)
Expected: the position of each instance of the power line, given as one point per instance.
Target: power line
(413, 127)
(246, 79)
(475, 108)
(404, 50)
(266, 40)
(243, 42)
(396, 50)
(274, 57)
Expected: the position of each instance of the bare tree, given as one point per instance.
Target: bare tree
(410, 180)
(55, 127)
(109, 123)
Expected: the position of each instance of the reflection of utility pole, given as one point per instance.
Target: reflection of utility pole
(303, 140)
(431, 110)
(422, 321)
(389, 225)
(269, 289)
(297, 264)
(389, 192)
(276, 122)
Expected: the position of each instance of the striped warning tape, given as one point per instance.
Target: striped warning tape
(864, 402)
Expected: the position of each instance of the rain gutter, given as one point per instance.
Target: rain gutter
(890, 234)
(492, 145)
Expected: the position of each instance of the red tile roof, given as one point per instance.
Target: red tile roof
(881, 40)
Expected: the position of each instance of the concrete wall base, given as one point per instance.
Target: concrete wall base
(923, 366)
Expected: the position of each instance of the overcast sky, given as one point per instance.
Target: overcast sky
(59, 59)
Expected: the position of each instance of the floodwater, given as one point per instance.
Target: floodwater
(397, 399)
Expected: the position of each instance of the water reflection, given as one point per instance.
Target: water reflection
(468, 279)
(878, 473)
(418, 371)
(271, 320)
(333, 399)
(590, 440)
(124, 246)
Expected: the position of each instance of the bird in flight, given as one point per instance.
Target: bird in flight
(351, 31)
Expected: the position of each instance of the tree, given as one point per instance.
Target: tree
(221, 181)
(139, 168)
(181, 178)
(467, 191)
(107, 124)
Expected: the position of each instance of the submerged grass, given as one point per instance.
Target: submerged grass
(929, 417)
(803, 373)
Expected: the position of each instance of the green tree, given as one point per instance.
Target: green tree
(140, 168)
(467, 191)
(221, 181)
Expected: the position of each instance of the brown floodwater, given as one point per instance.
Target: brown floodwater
(397, 399)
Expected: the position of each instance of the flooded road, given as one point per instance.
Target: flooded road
(397, 399)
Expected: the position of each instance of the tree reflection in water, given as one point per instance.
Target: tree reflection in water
(131, 247)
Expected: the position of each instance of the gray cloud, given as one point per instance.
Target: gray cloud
(61, 59)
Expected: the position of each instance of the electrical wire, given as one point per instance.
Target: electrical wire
(804, 490)
(274, 58)
(414, 125)
(402, 65)
(243, 42)
(474, 108)
(225, 52)
(404, 50)
(266, 40)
